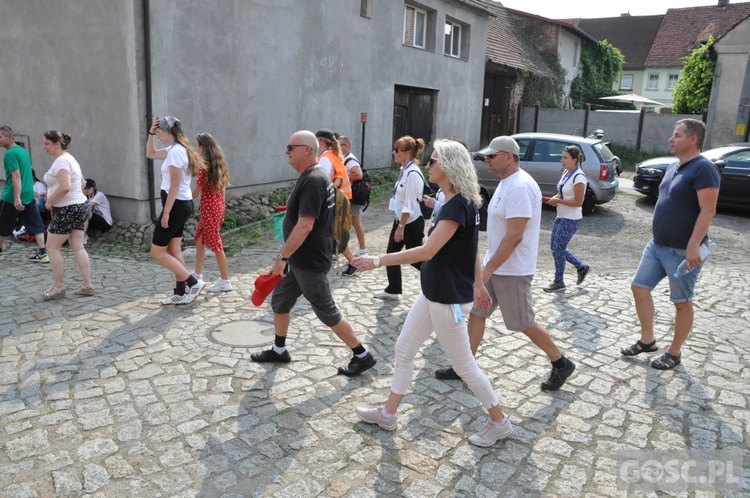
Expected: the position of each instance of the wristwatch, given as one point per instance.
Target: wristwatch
(279, 257)
(376, 262)
(400, 225)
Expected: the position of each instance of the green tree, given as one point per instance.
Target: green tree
(599, 68)
(693, 90)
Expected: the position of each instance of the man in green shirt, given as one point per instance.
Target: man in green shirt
(17, 202)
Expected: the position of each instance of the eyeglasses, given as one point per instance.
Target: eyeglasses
(432, 162)
(289, 147)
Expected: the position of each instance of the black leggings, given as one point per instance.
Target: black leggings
(413, 235)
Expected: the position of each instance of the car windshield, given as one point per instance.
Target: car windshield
(603, 151)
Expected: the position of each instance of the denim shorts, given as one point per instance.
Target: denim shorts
(658, 262)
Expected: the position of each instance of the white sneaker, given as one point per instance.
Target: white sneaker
(220, 285)
(177, 299)
(491, 433)
(361, 252)
(193, 291)
(85, 238)
(198, 276)
(386, 296)
(378, 416)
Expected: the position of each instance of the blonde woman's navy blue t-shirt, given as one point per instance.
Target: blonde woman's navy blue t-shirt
(448, 278)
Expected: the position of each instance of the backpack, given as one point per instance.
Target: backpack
(426, 190)
(342, 221)
(361, 188)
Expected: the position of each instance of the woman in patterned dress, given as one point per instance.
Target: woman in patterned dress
(212, 185)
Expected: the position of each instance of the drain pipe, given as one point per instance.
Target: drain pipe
(149, 104)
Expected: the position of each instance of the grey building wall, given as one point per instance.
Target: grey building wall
(250, 72)
(78, 67)
(730, 95)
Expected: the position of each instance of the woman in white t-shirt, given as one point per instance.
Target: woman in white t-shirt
(70, 209)
(571, 191)
(100, 217)
(180, 164)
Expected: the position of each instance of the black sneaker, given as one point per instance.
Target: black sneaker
(446, 373)
(558, 376)
(555, 287)
(582, 274)
(350, 271)
(271, 356)
(358, 365)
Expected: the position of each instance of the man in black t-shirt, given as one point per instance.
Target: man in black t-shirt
(306, 256)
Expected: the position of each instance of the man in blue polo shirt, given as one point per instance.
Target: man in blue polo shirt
(683, 213)
(17, 202)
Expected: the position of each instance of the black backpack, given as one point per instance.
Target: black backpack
(426, 190)
(361, 188)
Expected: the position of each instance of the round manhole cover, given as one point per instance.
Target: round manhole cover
(244, 333)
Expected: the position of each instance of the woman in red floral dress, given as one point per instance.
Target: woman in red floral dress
(213, 179)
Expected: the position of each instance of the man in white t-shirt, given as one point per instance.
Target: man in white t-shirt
(513, 221)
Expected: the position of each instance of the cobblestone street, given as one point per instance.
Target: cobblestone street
(116, 395)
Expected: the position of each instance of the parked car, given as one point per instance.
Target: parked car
(540, 155)
(733, 161)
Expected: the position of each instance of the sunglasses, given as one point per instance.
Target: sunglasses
(572, 150)
(491, 156)
(432, 162)
(289, 147)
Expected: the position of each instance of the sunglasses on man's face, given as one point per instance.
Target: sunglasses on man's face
(289, 147)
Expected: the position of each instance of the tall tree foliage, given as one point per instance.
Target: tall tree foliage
(599, 68)
(693, 90)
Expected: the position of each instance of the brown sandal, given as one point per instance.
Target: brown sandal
(85, 291)
(52, 294)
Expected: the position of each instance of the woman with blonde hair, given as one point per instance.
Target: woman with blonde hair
(451, 278)
(180, 164)
(408, 227)
(213, 179)
(70, 210)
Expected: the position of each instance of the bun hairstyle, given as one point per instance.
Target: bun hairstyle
(413, 146)
(58, 137)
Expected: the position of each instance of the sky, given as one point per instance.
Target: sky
(566, 9)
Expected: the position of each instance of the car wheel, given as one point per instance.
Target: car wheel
(589, 203)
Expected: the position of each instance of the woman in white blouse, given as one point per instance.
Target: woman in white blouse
(408, 226)
(70, 210)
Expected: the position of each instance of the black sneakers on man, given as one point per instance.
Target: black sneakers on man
(558, 376)
(358, 365)
(446, 373)
(271, 356)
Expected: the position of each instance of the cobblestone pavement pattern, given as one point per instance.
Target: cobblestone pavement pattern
(116, 395)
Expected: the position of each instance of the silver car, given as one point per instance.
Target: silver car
(540, 155)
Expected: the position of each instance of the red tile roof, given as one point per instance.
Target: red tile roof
(684, 29)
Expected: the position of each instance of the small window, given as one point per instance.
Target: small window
(672, 81)
(415, 27)
(627, 82)
(653, 82)
(452, 39)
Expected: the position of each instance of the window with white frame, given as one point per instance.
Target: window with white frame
(653, 82)
(672, 81)
(415, 27)
(626, 83)
(452, 38)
